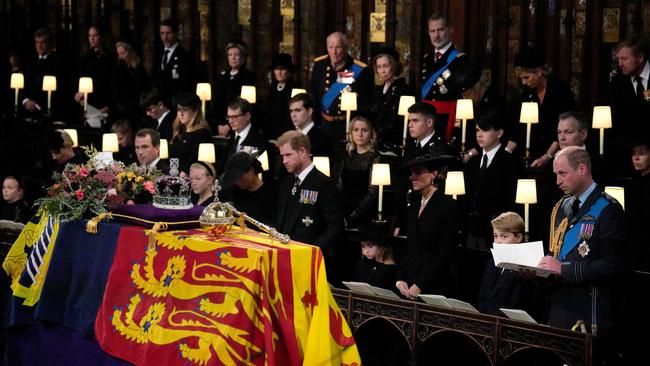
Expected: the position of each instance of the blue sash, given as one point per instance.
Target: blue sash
(336, 88)
(427, 86)
(572, 236)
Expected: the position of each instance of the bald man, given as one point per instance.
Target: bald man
(337, 72)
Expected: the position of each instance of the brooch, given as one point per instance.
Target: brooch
(583, 249)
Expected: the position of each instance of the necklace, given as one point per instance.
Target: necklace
(423, 200)
(280, 86)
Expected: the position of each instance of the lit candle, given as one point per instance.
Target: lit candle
(348, 104)
(380, 177)
(526, 194)
(529, 115)
(204, 91)
(49, 85)
(405, 102)
(17, 82)
(602, 119)
(85, 87)
(464, 111)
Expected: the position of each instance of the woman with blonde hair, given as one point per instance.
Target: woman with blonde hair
(354, 179)
(129, 82)
(189, 130)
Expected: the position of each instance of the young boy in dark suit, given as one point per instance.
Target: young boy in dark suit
(490, 179)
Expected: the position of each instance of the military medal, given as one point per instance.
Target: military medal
(583, 249)
(586, 230)
(308, 197)
(293, 190)
(646, 95)
(307, 221)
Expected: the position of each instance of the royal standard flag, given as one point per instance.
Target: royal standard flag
(239, 299)
(29, 258)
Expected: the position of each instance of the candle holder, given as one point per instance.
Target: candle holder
(204, 92)
(405, 102)
(49, 85)
(529, 115)
(602, 119)
(464, 111)
(85, 87)
(348, 104)
(380, 177)
(526, 195)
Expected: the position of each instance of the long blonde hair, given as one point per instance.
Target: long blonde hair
(134, 59)
(197, 123)
(372, 144)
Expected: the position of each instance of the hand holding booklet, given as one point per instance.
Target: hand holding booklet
(520, 256)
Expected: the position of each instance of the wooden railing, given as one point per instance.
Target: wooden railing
(498, 338)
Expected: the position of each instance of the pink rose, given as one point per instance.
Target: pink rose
(83, 171)
(148, 185)
(79, 193)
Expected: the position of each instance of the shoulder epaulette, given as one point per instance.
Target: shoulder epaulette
(320, 58)
(360, 63)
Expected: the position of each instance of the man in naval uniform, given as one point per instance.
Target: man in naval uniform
(338, 72)
(588, 236)
(437, 67)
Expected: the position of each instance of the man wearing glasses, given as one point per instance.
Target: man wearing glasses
(244, 136)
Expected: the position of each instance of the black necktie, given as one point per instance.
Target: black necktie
(639, 86)
(165, 59)
(418, 145)
(237, 137)
(575, 207)
(484, 164)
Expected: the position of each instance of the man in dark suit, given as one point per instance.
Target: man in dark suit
(147, 149)
(244, 137)
(308, 203)
(173, 67)
(422, 129)
(491, 181)
(161, 118)
(46, 62)
(334, 73)
(587, 241)
(301, 109)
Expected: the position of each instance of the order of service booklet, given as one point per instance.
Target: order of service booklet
(366, 288)
(520, 256)
(518, 314)
(445, 302)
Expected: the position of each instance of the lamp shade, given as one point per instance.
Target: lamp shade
(17, 80)
(455, 184)
(163, 153)
(85, 85)
(349, 101)
(109, 143)
(204, 91)
(49, 83)
(526, 191)
(618, 193)
(322, 163)
(380, 174)
(602, 117)
(73, 135)
(206, 152)
(264, 160)
(529, 112)
(296, 91)
(248, 93)
(464, 109)
(405, 102)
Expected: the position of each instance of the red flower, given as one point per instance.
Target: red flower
(55, 186)
(83, 171)
(80, 194)
(149, 186)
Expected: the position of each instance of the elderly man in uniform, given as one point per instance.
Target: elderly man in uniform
(335, 73)
(588, 235)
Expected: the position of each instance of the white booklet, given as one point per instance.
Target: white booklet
(518, 314)
(449, 303)
(366, 288)
(520, 256)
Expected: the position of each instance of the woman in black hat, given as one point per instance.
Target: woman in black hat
(189, 130)
(389, 124)
(432, 229)
(278, 120)
(553, 97)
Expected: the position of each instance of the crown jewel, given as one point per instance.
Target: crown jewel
(172, 191)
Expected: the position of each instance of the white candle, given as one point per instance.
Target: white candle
(526, 217)
(528, 126)
(406, 124)
(381, 198)
(464, 124)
